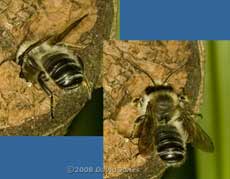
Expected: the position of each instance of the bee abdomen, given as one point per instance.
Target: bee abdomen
(66, 72)
(170, 145)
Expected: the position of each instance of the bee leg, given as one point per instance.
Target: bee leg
(136, 100)
(138, 126)
(86, 84)
(136, 155)
(20, 62)
(199, 115)
(41, 82)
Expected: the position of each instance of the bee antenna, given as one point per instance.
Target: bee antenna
(154, 83)
(142, 70)
(174, 71)
(62, 35)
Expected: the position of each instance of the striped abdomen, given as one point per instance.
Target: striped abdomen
(66, 72)
(170, 145)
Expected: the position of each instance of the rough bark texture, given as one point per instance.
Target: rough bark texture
(25, 110)
(123, 82)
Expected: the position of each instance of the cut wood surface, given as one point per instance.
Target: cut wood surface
(25, 110)
(123, 82)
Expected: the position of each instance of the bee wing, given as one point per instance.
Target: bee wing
(146, 141)
(197, 136)
(62, 35)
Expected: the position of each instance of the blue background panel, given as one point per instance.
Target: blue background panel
(51, 157)
(175, 19)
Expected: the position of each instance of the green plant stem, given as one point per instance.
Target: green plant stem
(216, 112)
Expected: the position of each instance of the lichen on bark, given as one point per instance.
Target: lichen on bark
(124, 81)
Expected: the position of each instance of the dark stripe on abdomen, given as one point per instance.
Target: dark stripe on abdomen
(169, 144)
(66, 72)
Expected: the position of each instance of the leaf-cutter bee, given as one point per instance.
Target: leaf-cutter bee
(46, 60)
(167, 124)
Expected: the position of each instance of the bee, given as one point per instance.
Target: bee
(46, 60)
(167, 123)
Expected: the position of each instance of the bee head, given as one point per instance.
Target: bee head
(153, 89)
